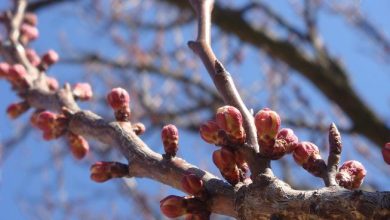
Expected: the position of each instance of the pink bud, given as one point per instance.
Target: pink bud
(82, 91)
(118, 98)
(51, 57)
(29, 32)
(351, 174)
(16, 109)
(17, 75)
(170, 139)
(267, 123)
(33, 57)
(173, 206)
(229, 119)
(210, 132)
(78, 145)
(52, 83)
(138, 128)
(386, 153)
(308, 156)
(287, 138)
(52, 125)
(103, 171)
(4, 69)
(192, 184)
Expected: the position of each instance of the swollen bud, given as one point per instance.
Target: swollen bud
(52, 83)
(52, 125)
(351, 174)
(386, 153)
(308, 156)
(82, 91)
(229, 119)
(192, 184)
(17, 75)
(173, 206)
(33, 57)
(285, 142)
(103, 171)
(170, 139)
(119, 100)
(4, 69)
(78, 145)
(210, 132)
(16, 109)
(28, 33)
(267, 123)
(225, 160)
(49, 58)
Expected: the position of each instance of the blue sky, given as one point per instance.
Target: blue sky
(31, 174)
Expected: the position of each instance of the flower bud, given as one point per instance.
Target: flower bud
(232, 176)
(118, 98)
(170, 139)
(16, 109)
(34, 118)
(103, 171)
(351, 174)
(173, 206)
(285, 142)
(224, 159)
(267, 123)
(78, 145)
(192, 184)
(138, 128)
(210, 132)
(386, 153)
(31, 19)
(52, 83)
(17, 75)
(229, 119)
(49, 58)
(308, 156)
(82, 91)
(4, 69)
(28, 33)
(33, 57)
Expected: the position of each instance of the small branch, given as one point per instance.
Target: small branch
(224, 83)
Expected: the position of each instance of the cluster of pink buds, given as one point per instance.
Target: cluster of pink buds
(308, 156)
(170, 139)
(28, 29)
(351, 174)
(231, 165)
(78, 145)
(16, 109)
(53, 125)
(274, 143)
(103, 171)
(82, 91)
(119, 100)
(193, 185)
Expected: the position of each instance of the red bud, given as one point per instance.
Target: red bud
(78, 145)
(267, 124)
(192, 184)
(386, 153)
(103, 171)
(173, 206)
(17, 109)
(351, 174)
(51, 57)
(138, 128)
(118, 98)
(308, 156)
(229, 119)
(4, 69)
(224, 159)
(209, 132)
(170, 139)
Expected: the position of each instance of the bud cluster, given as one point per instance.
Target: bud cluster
(231, 165)
(274, 143)
(53, 125)
(308, 156)
(351, 174)
(119, 100)
(103, 171)
(170, 139)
